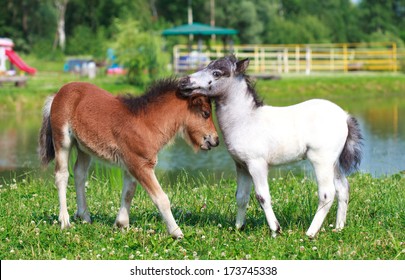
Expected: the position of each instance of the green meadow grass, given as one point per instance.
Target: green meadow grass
(205, 210)
(341, 88)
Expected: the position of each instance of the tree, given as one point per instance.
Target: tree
(139, 51)
(241, 15)
(60, 36)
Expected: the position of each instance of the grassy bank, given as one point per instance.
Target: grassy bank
(38, 87)
(205, 211)
(337, 87)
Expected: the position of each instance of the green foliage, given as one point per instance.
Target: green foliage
(140, 52)
(43, 49)
(90, 25)
(380, 36)
(241, 15)
(86, 42)
(307, 29)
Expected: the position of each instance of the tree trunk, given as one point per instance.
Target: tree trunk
(60, 36)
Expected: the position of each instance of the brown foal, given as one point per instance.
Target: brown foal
(126, 131)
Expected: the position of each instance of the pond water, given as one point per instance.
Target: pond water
(382, 123)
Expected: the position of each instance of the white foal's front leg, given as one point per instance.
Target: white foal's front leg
(326, 195)
(258, 169)
(244, 182)
(128, 192)
(80, 171)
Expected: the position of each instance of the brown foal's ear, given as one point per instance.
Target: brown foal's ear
(201, 102)
(196, 100)
(241, 66)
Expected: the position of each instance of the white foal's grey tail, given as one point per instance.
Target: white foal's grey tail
(46, 149)
(350, 157)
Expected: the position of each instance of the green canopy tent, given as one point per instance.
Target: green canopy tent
(199, 30)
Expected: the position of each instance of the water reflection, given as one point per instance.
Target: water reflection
(382, 123)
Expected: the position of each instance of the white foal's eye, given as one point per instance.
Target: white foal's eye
(216, 74)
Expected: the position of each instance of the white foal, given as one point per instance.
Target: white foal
(259, 136)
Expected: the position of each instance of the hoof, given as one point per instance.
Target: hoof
(65, 224)
(311, 235)
(177, 234)
(84, 216)
(275, 229)
(241, 227)
(121, 224)
(64, 221)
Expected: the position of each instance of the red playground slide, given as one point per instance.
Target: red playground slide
(17, 61)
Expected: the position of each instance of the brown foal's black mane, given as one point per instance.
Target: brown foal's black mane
(154, 94)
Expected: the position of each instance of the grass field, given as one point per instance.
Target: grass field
(341, 88)
(205, 211)
(204, 208)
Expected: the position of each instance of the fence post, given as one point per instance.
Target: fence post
(308, 60)
(345, 61)
(257, 59)
(394, 57)
(279, 62)
(175, 60)
(286, 60)
(297, 58)
(263, 60)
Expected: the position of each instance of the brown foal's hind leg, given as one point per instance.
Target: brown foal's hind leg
(128, 192)
(80, 172)
(147, 178)
(62, 144)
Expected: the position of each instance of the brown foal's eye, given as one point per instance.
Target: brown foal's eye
(206, 114)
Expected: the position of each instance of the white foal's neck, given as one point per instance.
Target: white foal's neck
(236, 100)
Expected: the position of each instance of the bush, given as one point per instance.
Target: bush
(140, 52)
(43, 49)
(85, 41)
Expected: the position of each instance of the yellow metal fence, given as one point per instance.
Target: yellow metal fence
(277, 59)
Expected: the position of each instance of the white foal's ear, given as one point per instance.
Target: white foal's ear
(241, 66)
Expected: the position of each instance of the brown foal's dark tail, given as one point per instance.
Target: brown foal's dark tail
(46, 149)
(350, 157)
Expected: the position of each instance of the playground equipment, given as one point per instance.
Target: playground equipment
(7, 53)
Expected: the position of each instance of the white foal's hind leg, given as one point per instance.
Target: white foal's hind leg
(342, 194)
(326, 194)
(128, 192)
(80, 172)
(244, 182)
(258, 170)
